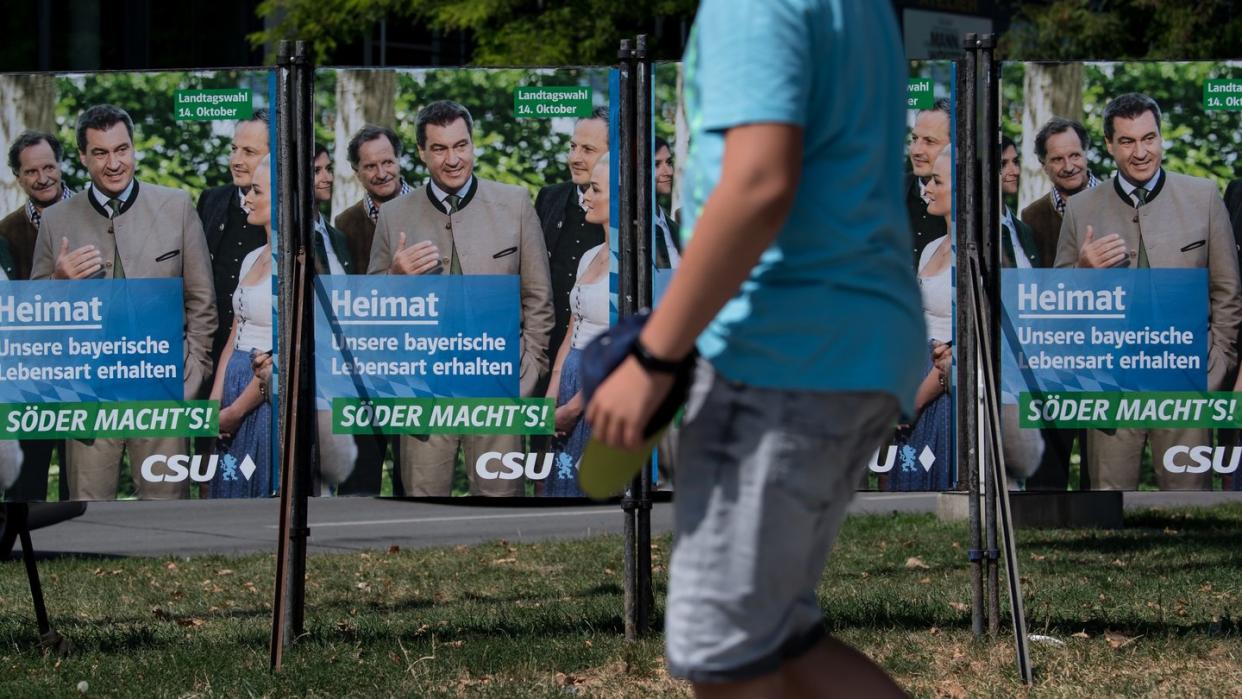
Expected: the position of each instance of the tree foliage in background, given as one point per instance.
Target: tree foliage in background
(1123, 30)
(505, 32)
(526, 152)
(1196, 141)
(186, 155)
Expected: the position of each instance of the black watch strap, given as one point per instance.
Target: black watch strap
(652, 363)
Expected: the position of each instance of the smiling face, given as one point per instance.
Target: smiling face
(590, 140)
(596, 198)
(1065, 163)
(378, 171)
(663, 171)
(940, 187)
(323, 178)
(249, 147)
(1136, 146)
(929, 137)
(1010, 171)
(259, 198)
(39, 174)
(448, 154)
(109, 158)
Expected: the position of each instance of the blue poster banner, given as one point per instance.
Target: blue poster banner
(91, 341)
(416, 336)
(1082, 330)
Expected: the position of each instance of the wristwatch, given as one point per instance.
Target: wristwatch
(652, 363)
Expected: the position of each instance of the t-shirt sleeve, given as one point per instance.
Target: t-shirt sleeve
(753, 62)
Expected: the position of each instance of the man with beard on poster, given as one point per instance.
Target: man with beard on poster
(1148, 217)
(229, 236)
(462, 224)
(35, 160)
(375, 156)
(137, 230)
(929, 136)
(566, 232)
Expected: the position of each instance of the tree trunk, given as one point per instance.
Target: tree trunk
(362, 97)
(26, 102)
(1049, 89)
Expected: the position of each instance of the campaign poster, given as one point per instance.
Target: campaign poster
(463, 264)
(1121, 224)
(922, 454)
(136, 286)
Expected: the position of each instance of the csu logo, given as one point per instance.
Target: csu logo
(159, 468)
(1201, 459)
(513, 465)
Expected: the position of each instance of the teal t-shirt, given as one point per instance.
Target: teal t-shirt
(833, 304)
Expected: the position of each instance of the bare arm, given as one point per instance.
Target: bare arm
(758, 182)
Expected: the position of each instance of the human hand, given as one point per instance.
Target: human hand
(261, 364)
(230, 420)
(421, 258)
(942, 357)
(624, 403)
(1109, 251)
(78, 264)
(567, 417)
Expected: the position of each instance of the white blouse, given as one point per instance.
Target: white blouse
(937, 295)
(589, 302)
(252, 307)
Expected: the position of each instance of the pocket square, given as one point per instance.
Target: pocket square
(503, 253)
(168, 255)
(1196, 244)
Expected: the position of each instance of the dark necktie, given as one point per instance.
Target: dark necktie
(321, 255)
(118, 271)
(1141, 194)
(1008, 258)
(453, 202)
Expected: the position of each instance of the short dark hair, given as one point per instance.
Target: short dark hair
(941, 105)
(1007, 143)
(661, 143)
(320, 149)
(440, 113)
(1129, 106)
(368, 133)
(601, 113)
(102, 117)
(261, 114)
(1055, 126)
(32, 138)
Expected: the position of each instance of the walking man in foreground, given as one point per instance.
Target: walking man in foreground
(796, 283)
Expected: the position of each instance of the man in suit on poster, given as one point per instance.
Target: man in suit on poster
(130, 230)
(566, 233)
(1149, 217)
(229, 237)
(929, 136)
(35, 159)
(462, 224)
(375, 156)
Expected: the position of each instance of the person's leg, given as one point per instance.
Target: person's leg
(1164, 440)
(763, 482)
(477, 445)
(1115, 458)
(93, 468)
(427, 465)
(139, 450)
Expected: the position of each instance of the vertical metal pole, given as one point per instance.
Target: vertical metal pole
(17, 516)
(301, 211)
(285, 318)
(644, 179)
(966, 230)
(626, 302)
(991, 248)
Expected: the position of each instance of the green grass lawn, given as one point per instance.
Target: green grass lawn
(1154, 609)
